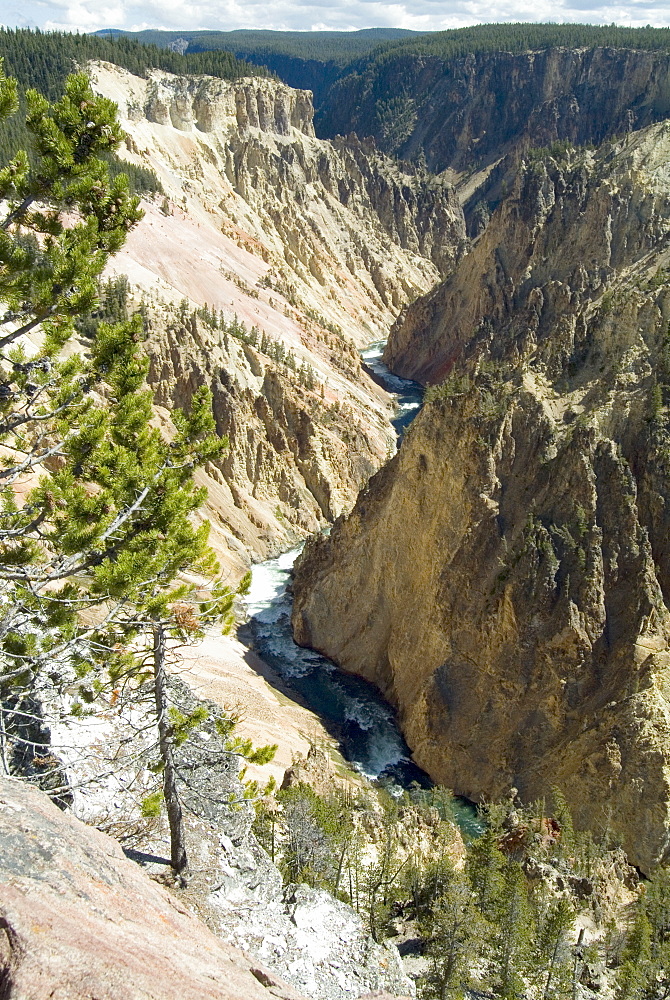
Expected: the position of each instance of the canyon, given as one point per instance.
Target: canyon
(501, 575)
(510, 563)
(549, 332)
(318, 245)
(548, 310)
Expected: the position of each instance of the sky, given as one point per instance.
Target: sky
(339, 15)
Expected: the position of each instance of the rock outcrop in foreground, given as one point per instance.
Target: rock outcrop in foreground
(505, 579)
(78, 920)
(299, 935)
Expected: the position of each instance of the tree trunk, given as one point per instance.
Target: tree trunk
(3, 741)
(340, 865)
(178, 858)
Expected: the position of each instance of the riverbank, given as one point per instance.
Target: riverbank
(224, 670)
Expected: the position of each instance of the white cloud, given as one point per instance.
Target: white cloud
(226, 15)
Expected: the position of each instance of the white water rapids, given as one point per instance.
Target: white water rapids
(351, 708)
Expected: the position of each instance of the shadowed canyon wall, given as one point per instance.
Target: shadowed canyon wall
(465, 112)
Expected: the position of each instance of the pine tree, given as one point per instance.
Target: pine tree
(381, 877)
(95, 505)
(551, 955)
(454, 939)
(566, 841)
(634, 974)
(485, 864)
(512, 935)
(49, 266)
(645, 962)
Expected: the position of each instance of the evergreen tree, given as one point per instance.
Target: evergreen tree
(380, 879)
(512, 933)
(551, 958)
(635, 972)
(318, 836)
(95, 505)
(566, 842)
(485, 864)
(455, 938)
(645, 962)
(49, 266)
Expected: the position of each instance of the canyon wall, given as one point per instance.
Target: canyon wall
(316, 245)
(334, 228)
(295, 460)
(464, 112)
(505, 579)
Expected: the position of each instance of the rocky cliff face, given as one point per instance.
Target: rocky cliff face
(315, 244)
(78, 919)
(505, 579)
(578, 236)
(465, 112)
(332, 227)
(294, 461)
(211, 105)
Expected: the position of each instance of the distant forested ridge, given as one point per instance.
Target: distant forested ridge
(310, 60)
(43, 60)
(339, 47)
(520, 37)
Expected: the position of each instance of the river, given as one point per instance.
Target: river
(353, 710)
(408, 394)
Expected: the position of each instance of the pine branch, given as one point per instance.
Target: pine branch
(15, 471)
(37, 418)
(20, 210)
(9, 338)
